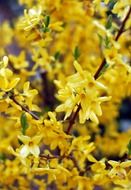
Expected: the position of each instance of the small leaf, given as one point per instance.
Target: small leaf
(57, 55)
(107, 42)
(24, 123)
(109, 22)
(100, 39)
(2, 157)
(46, 24)
(129, 148)
(76, 53)
(112, 4)
(45, 29)
(47, 21)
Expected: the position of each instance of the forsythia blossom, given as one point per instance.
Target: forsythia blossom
(30, 145)
(6, 82)
(73, 138)
(83, 89)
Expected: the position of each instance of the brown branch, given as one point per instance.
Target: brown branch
(72, 119)
(100, 68)
(123, 25)
(71, 157)
(48, 157)
(116, 38)
(23, 107)
(48, 90)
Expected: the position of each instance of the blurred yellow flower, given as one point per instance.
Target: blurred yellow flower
(30, 145)
(7, 81)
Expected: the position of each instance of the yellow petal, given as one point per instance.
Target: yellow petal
(25, 151)
(91, 158)
(78, 67)
(34, 150)
(126, 164)
(26, 86)
(94, 118)
(12, 84)
(5, 60)
(24, 139)
(37, 139)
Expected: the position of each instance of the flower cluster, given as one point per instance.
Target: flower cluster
(83, 89)
(65, 78)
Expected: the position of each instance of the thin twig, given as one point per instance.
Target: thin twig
(72, 119)
(24, 108)
(123, 25)
(71, 157)
(116, 39)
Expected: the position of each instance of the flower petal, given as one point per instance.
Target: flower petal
(25, 139)
(34, 150)
(25, 151)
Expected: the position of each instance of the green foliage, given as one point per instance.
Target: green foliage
(129, 148)
(107, 42)
(46, 24)
(2, 157)
(57, 55)
(24, 123)
(76, 53)
(112, 4)
(47, 20)
(109, 22)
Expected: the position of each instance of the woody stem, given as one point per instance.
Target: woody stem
(116, 39)
(23, 107)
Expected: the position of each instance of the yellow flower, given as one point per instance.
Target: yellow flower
(82, 89)
(119, 173)
(83, 182)
(29, 96)
(31, 19)
(119, 169)
(6, 35)
(30, 145)
(7, 81)
(67, 96)
(121, 7)
(80, 146)
(19, 61)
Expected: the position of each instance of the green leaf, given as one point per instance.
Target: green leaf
(2, 157)
(76, 53)
(47, 21)
(100, 39)
(129, 148)
(112, 4)
(107, 42)
(57, 55)
(24, 123)
(45, 29)
(46, 24)
(109, 22)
